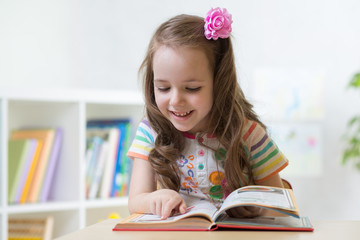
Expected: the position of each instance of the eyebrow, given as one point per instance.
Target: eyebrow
(186, 81)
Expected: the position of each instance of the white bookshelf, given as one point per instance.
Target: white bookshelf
(68, 109)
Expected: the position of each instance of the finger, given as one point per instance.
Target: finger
(182, 207)
(168, 208)
(173, 206)
(158, 208)
(153, 207)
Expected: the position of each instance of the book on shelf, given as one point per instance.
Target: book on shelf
(30, 174)
(30, 228)
(107, 173)
(106, 183)
(47, 137)
(121, 177)
(95, 150)
(17, 161)
(99, 170)
(204, 216)
(39, 170)
(31, 153)
(50, 171)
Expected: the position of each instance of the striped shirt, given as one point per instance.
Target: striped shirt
(202, 172)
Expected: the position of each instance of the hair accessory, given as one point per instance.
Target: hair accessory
(217, 23)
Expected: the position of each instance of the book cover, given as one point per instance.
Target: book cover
(18, 151)
(47, 138)
(118, 178)
(33, 143)
(99, 169)
(125, 170)
(93, 152)
(106, 183)
(53, 160)
(30, 175)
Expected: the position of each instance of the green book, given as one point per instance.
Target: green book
(18, 150)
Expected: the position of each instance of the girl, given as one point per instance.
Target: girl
(200, 139)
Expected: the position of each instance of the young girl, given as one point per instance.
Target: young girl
(200, 139)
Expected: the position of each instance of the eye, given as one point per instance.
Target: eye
(163, 89)
(193, 89)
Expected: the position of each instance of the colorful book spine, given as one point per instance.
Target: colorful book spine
(50, 171)
(41, 170)
(125, 170)
(95, 147)
(18, 150)
(31, 173)
(33, 143)
(106, 183)
(38, 167)
(119, 180)
(99, 169)
(47, 136)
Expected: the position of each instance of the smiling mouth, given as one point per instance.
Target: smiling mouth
(181, 114)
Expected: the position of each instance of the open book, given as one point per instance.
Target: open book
(204, 216)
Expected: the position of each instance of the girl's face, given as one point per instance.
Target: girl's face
(183, 86)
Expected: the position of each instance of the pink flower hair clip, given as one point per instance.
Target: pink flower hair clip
(217, 23)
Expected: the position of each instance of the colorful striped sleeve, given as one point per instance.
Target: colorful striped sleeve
(266, 159)
(143, 142)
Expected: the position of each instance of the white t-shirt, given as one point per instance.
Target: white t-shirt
(202, 169)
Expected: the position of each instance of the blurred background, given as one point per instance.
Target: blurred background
(294, 61)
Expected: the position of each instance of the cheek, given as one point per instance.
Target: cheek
(206, 101)
(160, 102)
(203, 103)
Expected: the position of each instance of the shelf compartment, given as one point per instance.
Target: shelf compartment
(66, 115)
(65, 221)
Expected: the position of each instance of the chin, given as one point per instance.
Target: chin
(182, 128)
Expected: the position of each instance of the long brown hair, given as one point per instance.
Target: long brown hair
(228, 114)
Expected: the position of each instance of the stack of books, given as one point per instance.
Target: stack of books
(33, 155)
(31, 228)
(107, 166)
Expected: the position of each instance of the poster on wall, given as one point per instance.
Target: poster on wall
(302, 144)
(289, 93)
(290, 102)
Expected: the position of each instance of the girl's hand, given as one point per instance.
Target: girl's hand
(245, 212)
(166, 202)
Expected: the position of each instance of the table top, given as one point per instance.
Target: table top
(324, 230)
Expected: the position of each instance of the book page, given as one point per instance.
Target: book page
(270, 197)
(201, 208)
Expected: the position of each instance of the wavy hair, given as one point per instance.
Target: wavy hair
(228, 114)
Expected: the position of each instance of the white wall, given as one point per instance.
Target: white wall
(100, 44)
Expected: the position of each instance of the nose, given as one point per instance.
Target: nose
(177, 98)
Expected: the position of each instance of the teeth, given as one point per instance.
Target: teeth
(182, 114)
